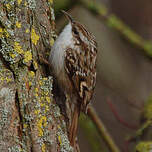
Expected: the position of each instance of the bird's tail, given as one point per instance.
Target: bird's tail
(74, 125)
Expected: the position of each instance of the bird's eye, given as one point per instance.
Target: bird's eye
(75, 31)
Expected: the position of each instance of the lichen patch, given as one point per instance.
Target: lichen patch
(19, 2)
(51, 41)
(18, 48)
(34, 36)
(27, 56)
(18, 24)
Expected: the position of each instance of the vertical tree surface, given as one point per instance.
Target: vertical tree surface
(30, 119)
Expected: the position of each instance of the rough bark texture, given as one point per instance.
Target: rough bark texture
(30, 120)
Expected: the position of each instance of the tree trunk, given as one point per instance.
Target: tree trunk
(30, 119)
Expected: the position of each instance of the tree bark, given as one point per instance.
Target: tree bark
(30, 119)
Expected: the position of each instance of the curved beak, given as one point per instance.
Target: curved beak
(68, 16)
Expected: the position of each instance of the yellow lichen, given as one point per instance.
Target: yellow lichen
(25, 126)
(41, 123)
(40, 82)
(18, 24)
(31, 74)
(46, 108)
(30, 84)
(27, 31)
(8, 79)
(25, 3)
(19, 2)
(35, 64)
(43, 147)
(18, 48)
(46, 93)
(42, 98)
(12, 55)
(27, 56)
(2, 79)
(51, 1)
(8, 6)
(36, 90)
(34, 36)
(1, 32)
(40, 131)
(6, 33)
(44, 78)
(51, 41)
(42, 104)
(37, 111)
(48, 99)
(59, 139)
(36, 95)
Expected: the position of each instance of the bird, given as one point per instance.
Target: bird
(73, 64)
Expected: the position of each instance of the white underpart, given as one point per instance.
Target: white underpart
(58, 50)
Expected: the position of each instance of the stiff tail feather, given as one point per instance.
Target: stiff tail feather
(74, 125)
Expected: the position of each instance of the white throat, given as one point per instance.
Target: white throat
(58, 50)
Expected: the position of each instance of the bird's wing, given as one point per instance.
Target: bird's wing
(80, 66)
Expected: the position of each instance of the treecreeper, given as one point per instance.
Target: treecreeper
(73, 63)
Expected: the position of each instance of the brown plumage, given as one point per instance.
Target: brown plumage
(74, 66)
